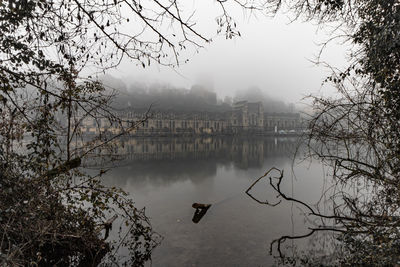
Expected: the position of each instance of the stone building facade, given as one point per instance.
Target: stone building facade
(244, 117)
(274, 122)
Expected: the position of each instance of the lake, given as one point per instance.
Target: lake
(168, 175)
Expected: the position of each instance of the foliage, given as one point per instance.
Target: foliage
(356, 133)
(52, 212)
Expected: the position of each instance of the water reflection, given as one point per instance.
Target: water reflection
(172, 159)
(243, 150)
(168, 175)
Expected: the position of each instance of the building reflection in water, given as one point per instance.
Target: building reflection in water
(244, 152)
(167, 159)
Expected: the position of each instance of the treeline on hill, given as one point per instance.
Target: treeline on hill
(164, 97)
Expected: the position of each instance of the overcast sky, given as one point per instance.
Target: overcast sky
(272, 54)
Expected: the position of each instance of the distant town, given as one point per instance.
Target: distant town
(170, 111)
(243, 118)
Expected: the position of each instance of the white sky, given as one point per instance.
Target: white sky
(272, 54)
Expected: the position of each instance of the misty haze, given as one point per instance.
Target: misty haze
(199, 133)
(198, 97)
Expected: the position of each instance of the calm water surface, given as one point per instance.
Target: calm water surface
(167, 175)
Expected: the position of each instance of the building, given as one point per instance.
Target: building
(275, 122)
(243, 118)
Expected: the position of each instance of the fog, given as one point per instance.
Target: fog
(272, 54)
(199, 97)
